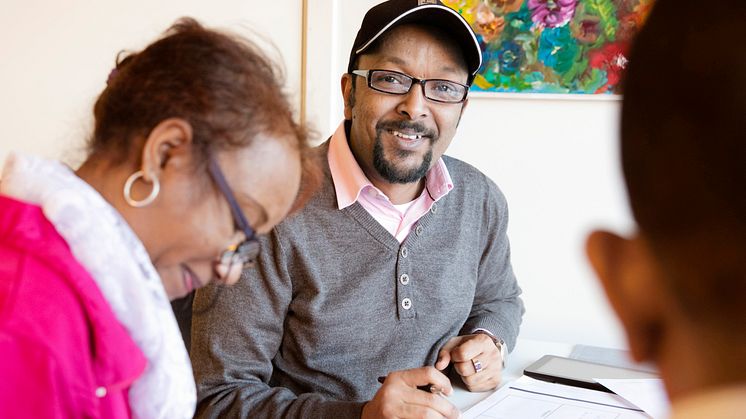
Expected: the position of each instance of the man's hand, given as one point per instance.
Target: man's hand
(467, 354)
(399, 397)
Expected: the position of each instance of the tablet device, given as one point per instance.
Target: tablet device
(574, 372)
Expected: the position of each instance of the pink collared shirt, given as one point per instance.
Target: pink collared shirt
(352, 186)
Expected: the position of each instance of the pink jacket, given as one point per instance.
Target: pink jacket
(63, 353)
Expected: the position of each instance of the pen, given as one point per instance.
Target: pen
(430, 388)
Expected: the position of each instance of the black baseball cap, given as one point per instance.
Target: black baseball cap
(387, 15)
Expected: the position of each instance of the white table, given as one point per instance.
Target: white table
(525, 353)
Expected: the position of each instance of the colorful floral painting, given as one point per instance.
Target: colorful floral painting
(553, 46)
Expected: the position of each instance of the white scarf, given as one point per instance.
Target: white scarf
(105, 245)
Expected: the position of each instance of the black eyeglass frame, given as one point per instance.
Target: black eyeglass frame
(422, 82)
(248, 250)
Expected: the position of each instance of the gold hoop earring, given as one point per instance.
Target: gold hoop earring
(128, 190)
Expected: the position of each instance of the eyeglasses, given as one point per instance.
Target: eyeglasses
(396, 83)
(245, 252)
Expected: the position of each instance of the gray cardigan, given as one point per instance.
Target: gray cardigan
(329, 309)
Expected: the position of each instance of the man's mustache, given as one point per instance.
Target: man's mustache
(417, 127)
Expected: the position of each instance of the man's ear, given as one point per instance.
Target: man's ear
(168, 143)
(627, 271)
(346, 84)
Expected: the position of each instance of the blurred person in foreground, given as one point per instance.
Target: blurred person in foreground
(678, 283)
(194, 153)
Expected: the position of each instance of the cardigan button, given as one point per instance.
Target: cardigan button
(404, 279)
(101, 392)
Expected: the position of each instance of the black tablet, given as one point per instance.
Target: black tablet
(573, 372)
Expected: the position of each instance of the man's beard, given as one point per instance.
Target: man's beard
(388, 169)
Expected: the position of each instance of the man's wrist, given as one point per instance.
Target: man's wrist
(497, 341)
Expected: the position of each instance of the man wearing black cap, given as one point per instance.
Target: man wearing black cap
(397, 269)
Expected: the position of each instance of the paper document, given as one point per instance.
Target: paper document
(527, 398)
(647, 394)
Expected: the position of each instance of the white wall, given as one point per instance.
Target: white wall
(56, 57)
(557, 163)
(555, 160)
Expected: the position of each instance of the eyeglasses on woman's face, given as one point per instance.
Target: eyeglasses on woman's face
(245, 252)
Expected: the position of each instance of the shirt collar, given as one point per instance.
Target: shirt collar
(349, 179)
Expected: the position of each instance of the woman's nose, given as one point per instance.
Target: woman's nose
(228, 275)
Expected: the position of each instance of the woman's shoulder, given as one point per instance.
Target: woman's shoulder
(55, 325)
(35, 294)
